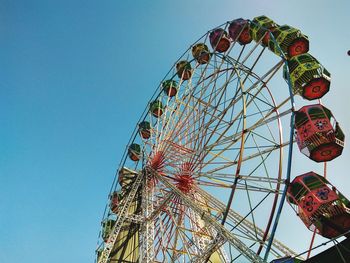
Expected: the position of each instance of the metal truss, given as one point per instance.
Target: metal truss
(205, 245)
(148, 226)
(211, 247)
(122, 217)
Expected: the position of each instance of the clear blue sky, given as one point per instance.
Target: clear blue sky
(75, 77)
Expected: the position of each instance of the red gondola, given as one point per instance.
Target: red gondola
(239, 29)
(114, 201)
(319, 205)
(318, 135)
(219, 40)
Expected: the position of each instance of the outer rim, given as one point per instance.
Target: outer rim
(133, 137)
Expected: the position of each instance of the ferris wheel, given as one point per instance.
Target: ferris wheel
(208, 168)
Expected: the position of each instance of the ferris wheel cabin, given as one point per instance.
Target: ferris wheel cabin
(291, 41)
(107, 227)
(318, 135)
(239, 30)
(156, 108)
(319, 205)
(145, 129)
(260, 29)
(201, 53)
(170, 87)
(183, 69)
(219, 40)
(115, 197)
(126, 176)
(134, 152)
(308, 77)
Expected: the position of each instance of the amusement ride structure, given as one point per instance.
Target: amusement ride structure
(208, 169)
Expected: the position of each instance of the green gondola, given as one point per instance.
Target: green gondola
(134, 152)
(107, 227)
(291, 41)
(145, 129)
(170, 87)
(156, 108)
(308, 77)
(260, 29)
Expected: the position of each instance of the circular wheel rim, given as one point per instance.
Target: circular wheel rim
(166, 142)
